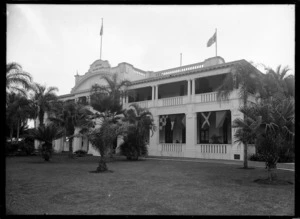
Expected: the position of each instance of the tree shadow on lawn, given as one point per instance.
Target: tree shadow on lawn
(95, 171)
(267, 181)
(248, 168)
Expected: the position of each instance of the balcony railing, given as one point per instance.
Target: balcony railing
(172, 101)
(214, 148)
(180, 100)
(143, 104)
(171, 147)
(206, 97)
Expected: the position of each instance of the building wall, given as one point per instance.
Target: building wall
(190, 104)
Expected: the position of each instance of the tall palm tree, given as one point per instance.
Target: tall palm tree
(42, 98)
(19, 110)
(244, 77)
(248, 80)
(109, 93)
(142, 123)
(17, 80)
(71, 116)
(247, 129)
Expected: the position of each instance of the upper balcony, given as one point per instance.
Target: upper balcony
(197, 90)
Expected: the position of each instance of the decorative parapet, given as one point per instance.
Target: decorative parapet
(208, 62)
(179, 69)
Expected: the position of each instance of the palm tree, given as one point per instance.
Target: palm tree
(271, 123)
(246, 78)
(103, 138)
(243, 77)
(71, 116)
(290, 84)
(46, 134)
(247, 129)
(42, 99)
(17, 80)
(110, 93)
(142, 122)
(277, 83)
(19, 110)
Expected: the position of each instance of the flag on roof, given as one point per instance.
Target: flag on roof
(212, 40)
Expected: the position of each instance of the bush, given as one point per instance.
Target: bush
(80, 153)
(26, 147)
(11, 148)
(256, 157)
(286, 157)
(131, 149)
(22, 148)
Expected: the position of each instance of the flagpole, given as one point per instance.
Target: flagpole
(216, 43)
(101, 40)
(180, 59)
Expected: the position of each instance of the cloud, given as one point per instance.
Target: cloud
(36, 23)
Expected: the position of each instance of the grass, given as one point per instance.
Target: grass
(146, 187)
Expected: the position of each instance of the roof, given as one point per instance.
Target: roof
(188, 72)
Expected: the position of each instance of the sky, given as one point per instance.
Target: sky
(54, 42)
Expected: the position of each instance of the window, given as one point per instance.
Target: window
(214, 127)
(172, 128)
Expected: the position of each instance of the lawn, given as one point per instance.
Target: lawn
(146, 187)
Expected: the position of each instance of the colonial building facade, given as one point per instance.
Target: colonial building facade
(190, 120)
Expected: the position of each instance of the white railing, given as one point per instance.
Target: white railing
(172, 101)
(171, 147)
(138, 71)
(143, 104)
(206, 97)
(214, 148)
(180, 69)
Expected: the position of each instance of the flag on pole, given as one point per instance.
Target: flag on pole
(212, 40)
(101, 31)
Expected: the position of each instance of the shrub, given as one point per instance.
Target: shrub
(26, 147)
(22, 148)
(255, 157)
(11, 148)
(80, 153)
(131, 149)
(286, 157)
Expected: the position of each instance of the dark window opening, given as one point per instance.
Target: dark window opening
(172, 128)
(214, 127)
(208, 84)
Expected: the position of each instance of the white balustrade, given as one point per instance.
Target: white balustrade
(172, 101)
(143, 104)
(214, 148)
(180, 69)
(206, 97)
(138, 71)
(171, 147)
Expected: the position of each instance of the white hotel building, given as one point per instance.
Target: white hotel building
(190, 121)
